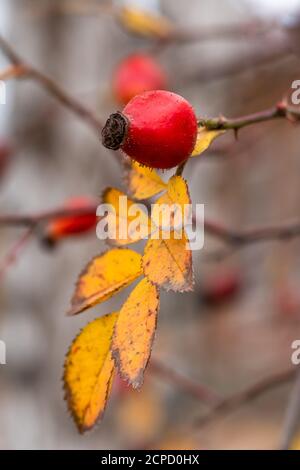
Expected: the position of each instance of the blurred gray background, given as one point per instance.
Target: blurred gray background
(253, 181)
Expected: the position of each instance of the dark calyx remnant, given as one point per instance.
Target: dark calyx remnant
(114, 131)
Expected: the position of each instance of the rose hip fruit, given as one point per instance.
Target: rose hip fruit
(68, 226)
(157, 129)
(136, 74)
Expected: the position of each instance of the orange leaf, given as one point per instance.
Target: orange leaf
(134, 332)
(104, 276)
(89, 371)
(125, 225)
(143, 182)
(168, 263)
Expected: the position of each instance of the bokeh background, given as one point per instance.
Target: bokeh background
(227, 342)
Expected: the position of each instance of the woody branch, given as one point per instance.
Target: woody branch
(227, 235)
(24, 70)
(279, 111)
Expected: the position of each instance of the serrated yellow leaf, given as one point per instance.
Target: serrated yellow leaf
(126, 224)
(171, 208)
(104, 276)
(168, 263)
(144, 23)
(89, 370)
(204, 139)
(134, 332)
(144, 182)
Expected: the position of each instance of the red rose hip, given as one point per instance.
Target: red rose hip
(157, 128)
(136, 74)
(68, 226)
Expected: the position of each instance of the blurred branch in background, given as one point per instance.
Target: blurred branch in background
(253, 235)
(34, 219)
(291, 424)
(163, 33)
(24, 70)
(227, 235)
(230, 404)
(195, 389)
(269, 51)
(273, 52)
(15, 251)
(163, 29)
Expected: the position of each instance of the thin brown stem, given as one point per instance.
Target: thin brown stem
(13, 71)
(180, 168)
(178, 35)
(281, 110)
(229, 236)
(291, 422)
(254, 235)
(246, 396)
(191, 387)
(31, 220)
(27, 71)
(223, 32)
(12, 255)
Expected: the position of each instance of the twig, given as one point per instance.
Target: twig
(222, 32)
(281, 110)
(232, 238)
(13, 71)
(243, 63)
(177, 34)
(246, 396)
(31, 220)
(73, 8)
(291, 424)
(27, 71)
(195, 389)
(15, 251)
(254, 235)
(180, 168)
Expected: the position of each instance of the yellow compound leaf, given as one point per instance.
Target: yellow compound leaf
(127, 223)
(204, 139)
(168, 262)
(144, 182)
(145, 24)
(171, 208)
(134, 332)
(104, 276)
(89, 371)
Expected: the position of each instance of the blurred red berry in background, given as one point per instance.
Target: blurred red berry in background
(287, 300)
(69, 226)
(136, 74)
(221, 287)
